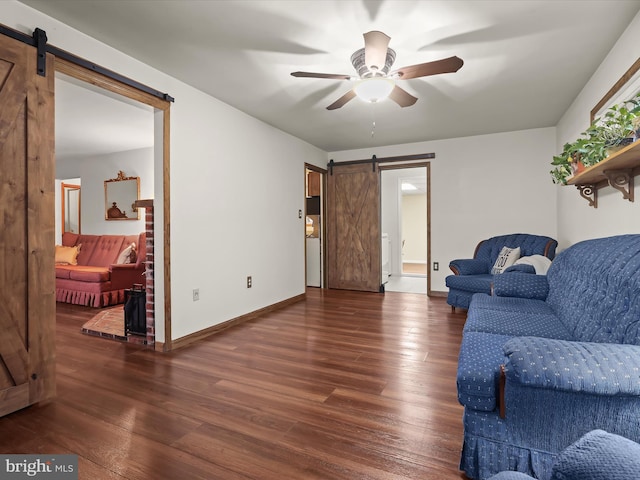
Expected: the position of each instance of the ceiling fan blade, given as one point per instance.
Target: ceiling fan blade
(331, 76)
(375, 49)
(446, 65)
(402, 97)
(342, 100)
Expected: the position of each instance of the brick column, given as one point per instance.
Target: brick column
(149, 275)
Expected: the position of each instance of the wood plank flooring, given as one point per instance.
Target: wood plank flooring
(344, 385)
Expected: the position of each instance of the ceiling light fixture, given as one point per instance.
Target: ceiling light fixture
(407, 187)
(374, 89)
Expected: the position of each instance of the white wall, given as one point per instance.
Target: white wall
(482, 186)
(93, 172)
(576, 219)
(414, 228)
(236, 187)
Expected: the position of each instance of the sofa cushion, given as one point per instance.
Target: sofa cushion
(479, 370)
(513, 317)
(470, 283)
(508, 304)
(106, 250)
(594, 288)
(89, 274)
(62, 271)
(69, 239)
(88, 243)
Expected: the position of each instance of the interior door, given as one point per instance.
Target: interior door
(27, 283)
(353, 228)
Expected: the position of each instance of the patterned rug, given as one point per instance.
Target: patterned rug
(108, 323)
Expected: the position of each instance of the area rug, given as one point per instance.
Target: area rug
(109, 322)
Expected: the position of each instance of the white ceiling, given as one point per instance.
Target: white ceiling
(524, 61)
(91, 121)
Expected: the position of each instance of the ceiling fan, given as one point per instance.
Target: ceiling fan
(375, 81)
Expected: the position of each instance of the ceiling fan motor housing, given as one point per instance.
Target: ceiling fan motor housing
(357, 60)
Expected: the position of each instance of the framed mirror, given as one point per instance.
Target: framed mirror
(70, 203)
(625, 88)
(120, 195)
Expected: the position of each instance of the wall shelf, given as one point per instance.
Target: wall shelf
(617, 171)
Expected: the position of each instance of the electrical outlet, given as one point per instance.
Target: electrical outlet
(436, 266)
(249, 282)
(196, 294)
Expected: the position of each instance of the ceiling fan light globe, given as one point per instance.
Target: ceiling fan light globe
(374, 89)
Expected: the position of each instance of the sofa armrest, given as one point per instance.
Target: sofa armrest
(125, 275)
(468, 266)
(521, 268)
(522, 285)
(593, 368)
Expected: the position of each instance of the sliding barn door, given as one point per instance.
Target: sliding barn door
(353, 228)
(27, 283)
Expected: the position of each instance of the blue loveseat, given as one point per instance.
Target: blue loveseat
(547, 359)
(473, 275)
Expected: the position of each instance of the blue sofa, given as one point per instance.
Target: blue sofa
(473, 275)
(598, 455)
(547, 359)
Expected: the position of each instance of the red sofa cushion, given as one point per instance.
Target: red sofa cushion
(106, 250)
(87, 245)
(62, 271)
(89, 274)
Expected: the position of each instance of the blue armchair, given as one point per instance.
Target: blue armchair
(598, 455)
(473, 275)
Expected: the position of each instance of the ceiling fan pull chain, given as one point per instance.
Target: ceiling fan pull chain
(373, 119)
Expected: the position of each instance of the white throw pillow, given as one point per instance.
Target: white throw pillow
(539, 262)
(507, 257)
(126, 255)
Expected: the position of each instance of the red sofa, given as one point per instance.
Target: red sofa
(98, 280)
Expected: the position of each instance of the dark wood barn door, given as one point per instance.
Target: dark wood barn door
(353, 228)
(27, 283)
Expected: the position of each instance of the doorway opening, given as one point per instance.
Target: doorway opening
(68, 206)
(151, 158)
(315, 226)
(405, 220)
(99, 134)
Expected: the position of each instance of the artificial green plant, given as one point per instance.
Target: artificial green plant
(616, 127)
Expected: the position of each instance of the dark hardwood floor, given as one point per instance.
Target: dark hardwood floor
(343, 385)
